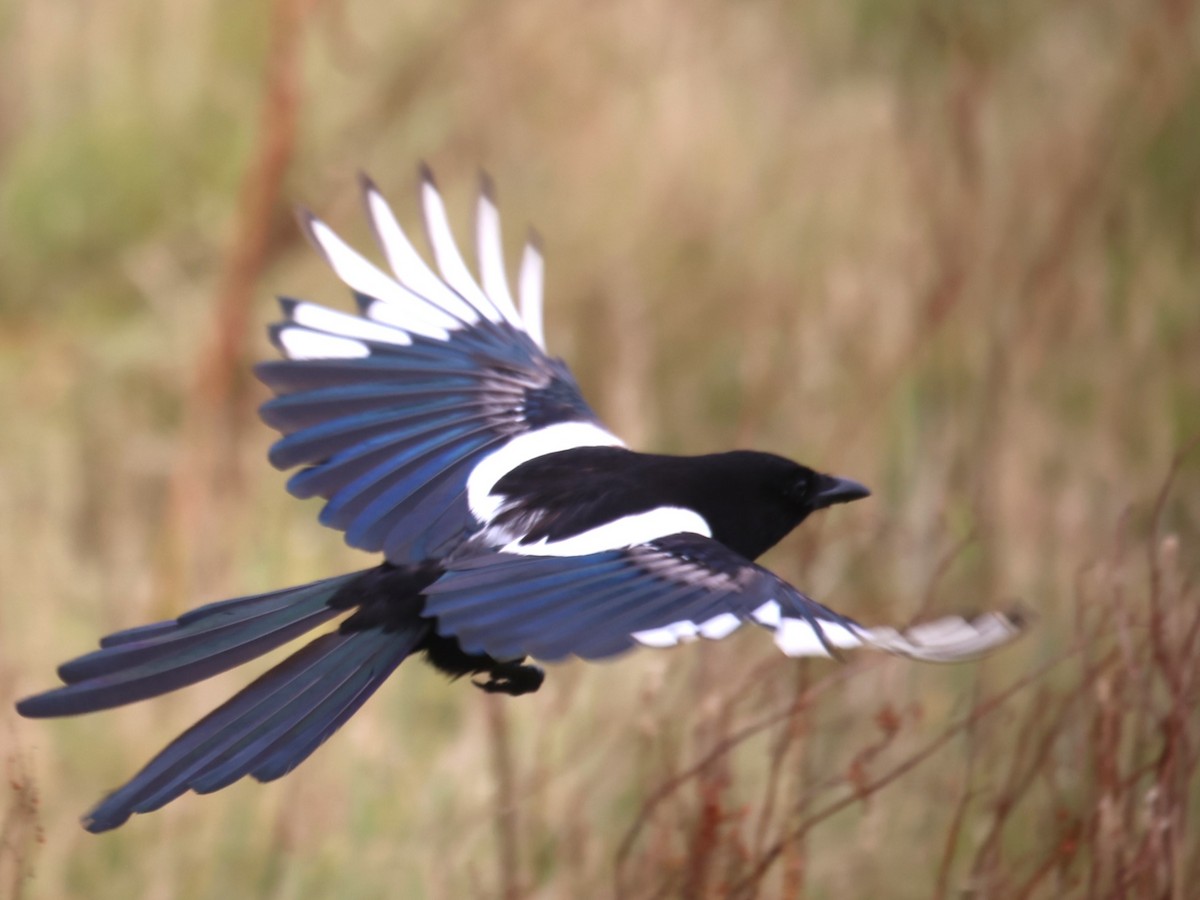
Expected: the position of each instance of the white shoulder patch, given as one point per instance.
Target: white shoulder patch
(523, 448)
(620, 533)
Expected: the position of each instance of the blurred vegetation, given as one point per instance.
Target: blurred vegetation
(949, 249)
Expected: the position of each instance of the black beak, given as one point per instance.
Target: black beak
(839, 490)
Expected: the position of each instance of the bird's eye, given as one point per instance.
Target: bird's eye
(799, 487)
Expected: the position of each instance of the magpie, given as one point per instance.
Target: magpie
(512, 523)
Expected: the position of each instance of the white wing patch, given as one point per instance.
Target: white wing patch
(522, 448)
(640, 528)
(767, 615)
(667, 636)
(799, 637)
(714, 629)
(719, 627)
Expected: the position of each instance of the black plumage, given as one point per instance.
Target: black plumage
(750, 500)
(512, 524)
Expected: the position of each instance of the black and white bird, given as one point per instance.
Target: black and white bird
(512, 523)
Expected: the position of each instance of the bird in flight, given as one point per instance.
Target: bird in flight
(512, 523)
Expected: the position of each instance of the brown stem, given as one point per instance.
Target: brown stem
(206, 459)
(979, 712)
(506, 797)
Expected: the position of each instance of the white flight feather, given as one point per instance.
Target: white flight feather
(490, 250)
(445, 251)
(530, 289)
(408, 265)
(319, 318)
(420, 317)
(300, 343)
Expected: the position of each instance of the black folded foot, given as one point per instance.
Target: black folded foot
(512, 678)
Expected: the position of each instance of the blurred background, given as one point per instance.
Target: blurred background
(948, 249)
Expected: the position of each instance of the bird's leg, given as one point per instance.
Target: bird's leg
(514, 678)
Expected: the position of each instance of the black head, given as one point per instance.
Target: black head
(755, 499)
(809, 491)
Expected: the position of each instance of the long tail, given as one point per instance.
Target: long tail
(264, 731)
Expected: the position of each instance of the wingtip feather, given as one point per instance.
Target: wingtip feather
(307, 220)
(530, 284)
(487, 186)
(952, 638)
(366, 184)
(426, 174)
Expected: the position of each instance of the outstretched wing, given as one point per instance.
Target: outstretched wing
(405, 415)
(658, 593)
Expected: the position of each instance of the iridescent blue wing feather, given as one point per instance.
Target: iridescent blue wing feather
(674, 588)
(659, 593)
(392, 412)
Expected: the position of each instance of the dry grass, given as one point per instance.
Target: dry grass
(948, 249)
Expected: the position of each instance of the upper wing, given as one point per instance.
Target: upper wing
(406, 415)
(659, 593)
